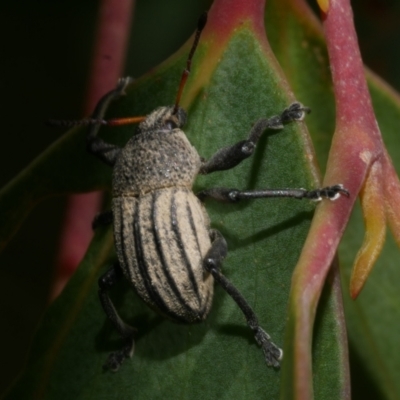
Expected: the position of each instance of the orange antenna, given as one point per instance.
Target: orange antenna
(200, 26)
(124, 121)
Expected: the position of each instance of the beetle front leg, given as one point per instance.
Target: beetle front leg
(212, 263)
(107, 152)
(230, 156)
(108, 280)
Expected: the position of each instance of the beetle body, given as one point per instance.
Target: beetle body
(164, 243)
(160, 226)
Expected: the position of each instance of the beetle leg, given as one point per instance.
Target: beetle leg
(230, 156)
(234, 195)
(212, 263)
(102, 219)
(107, 152)
(108, 280)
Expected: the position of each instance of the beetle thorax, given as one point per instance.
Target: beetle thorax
(158, 156)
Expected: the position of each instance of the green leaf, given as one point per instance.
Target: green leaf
(218, 358)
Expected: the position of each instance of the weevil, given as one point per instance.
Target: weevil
(165, 246)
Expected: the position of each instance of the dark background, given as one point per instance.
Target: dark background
(45, 56)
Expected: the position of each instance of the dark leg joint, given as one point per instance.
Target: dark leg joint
(110, 278)
(217, 253)
(102, 219)
(228, 157)
(220, 194)
(105, 151)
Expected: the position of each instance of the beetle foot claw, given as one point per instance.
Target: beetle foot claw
(272, 353)
(123, 83)
(330, 192)
(295, 112)
(116, 358)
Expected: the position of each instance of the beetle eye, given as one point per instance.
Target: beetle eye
(171, 124)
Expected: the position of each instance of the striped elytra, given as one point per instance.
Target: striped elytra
(162, 238)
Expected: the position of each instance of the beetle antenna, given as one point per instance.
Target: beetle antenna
(200, 26)
(124, 121)
(93, 121)
(64, 123)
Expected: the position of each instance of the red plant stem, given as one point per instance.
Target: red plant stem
(353, 101)
(356, 145)
(114, 23)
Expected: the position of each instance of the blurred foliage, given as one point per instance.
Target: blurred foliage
(47, 47)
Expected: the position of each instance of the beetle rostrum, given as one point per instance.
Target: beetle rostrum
(165, 246)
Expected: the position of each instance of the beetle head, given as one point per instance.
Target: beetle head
(163, 119)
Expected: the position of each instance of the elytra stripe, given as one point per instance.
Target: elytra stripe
(166, 270)
(123, 235)
(193, 227)
(206, 302)
(143, 268)
(181, 244)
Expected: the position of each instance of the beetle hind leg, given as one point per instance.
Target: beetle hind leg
(272, 353)
(212, 263)
(108, 280)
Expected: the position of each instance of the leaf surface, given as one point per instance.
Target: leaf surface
(218, 358)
